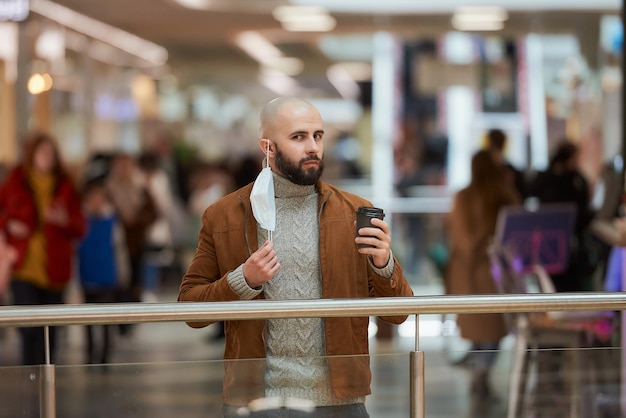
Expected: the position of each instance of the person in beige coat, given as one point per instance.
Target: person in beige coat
(472, 225)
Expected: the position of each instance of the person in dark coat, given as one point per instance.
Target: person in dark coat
(563, 182)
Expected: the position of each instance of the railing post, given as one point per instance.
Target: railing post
(417, 377)
(48, 382)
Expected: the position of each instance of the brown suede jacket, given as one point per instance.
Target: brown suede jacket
(229, 236)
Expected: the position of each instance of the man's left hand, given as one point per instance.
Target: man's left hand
(380, 240)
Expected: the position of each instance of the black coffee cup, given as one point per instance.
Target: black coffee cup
(364, 216)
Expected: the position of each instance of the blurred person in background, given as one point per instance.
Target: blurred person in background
(496, 144)
(159, 251)
(178, 159)
(137, 211)
(563, 182)
(472, 224)
(210, 183)
(41, 217)
(102, 264)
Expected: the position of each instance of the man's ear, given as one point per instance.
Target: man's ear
(266, 147)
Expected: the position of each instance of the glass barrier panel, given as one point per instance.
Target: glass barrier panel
(542, 382)
(184, 389)
(21, 391)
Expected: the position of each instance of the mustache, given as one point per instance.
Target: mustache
(311, 158)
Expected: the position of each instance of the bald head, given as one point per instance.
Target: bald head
(291, 134)
(280, 108)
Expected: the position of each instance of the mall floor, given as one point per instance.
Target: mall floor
(168, 369)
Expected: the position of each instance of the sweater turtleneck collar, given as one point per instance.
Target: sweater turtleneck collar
(285, 188)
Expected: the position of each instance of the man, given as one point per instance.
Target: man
(313, 254)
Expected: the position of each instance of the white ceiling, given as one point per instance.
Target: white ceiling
(200, 43)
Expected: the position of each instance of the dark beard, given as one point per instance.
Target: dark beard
(295, 173)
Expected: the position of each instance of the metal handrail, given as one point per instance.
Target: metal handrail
(90, 314)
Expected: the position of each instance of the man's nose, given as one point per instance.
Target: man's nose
(312, 146)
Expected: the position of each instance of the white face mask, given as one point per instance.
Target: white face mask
(262, 199)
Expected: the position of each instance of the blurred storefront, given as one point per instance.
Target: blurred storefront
(410, 96)
(74, 76)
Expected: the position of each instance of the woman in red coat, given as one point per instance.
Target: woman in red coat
(41, 217)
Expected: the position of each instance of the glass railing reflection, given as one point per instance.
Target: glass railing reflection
(556, 382)
(21, 391)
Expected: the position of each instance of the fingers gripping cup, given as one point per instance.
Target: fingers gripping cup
(364, 216)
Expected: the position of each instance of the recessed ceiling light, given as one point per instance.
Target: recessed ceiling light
(479, 18)
(195, 4)
(150, 52)
(483, 12)
(284, 13)
(304, 18)
(313, 23)
(257, 46)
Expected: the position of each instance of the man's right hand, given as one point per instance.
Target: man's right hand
(261, 266)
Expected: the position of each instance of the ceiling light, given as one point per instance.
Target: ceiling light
(150, 52)
(462, 25)
(344, 77)
(39, 83)
(284, 13)
(312, 23)
(304, 18)
(51, 44)
(483, 12)
(343, 82)
(275, 68)
(195, 4)
(257, 46)
(480, 18)
(412, 7)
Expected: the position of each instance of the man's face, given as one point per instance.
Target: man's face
(298, 143)
(304, 172)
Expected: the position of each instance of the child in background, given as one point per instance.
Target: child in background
(101, 263)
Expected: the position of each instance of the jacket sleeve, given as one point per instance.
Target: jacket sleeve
(396, 286)
(203, 280)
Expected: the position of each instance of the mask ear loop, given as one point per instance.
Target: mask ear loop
(270, 234)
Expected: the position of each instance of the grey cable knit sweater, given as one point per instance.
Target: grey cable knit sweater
(295, 347)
